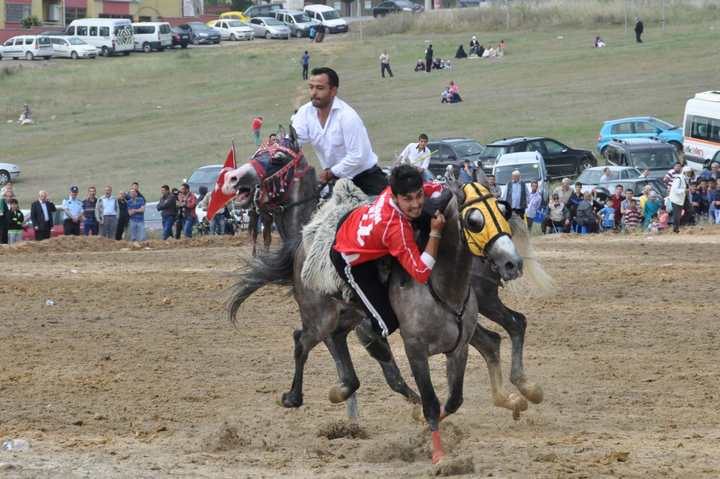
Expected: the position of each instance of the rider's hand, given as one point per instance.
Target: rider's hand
(437, 223)
(326, 176)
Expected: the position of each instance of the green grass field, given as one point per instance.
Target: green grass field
(156, 117)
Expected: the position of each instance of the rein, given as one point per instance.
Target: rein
(457, 314)
(273, 187)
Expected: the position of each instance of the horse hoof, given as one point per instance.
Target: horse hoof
(518, 404)
(339, 394)
(290, 400)
(417, 414)
(533, 392)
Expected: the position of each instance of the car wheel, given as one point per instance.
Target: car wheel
(74, 55)
(125, 54)
(233, 37)
(196, 41)
(298, 33)
(146, 47)
(104, 52)
(183, 45)
(4, 177)
(603, 152)
(47, 58)
(268, 35)
(29, 56)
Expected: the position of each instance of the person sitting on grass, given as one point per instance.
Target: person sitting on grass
(454, 92)
(599, 43)
(445, 95)
(420, 65)
(631, 217)
(501, 48)
(607, 217)
(460, 53)
(474, 46)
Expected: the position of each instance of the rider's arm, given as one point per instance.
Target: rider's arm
(399, 240)
(357, 147)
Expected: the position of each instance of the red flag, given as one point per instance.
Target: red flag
(218, 199)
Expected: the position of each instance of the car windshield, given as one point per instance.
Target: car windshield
(200, 27)
(590, 177)
(301, 18)
(468, 148)
(654, 160)
(205, 175)
(494, 151)
(76, 41)
(663, 125)
(330, 15)
(528, 172)
(272, 22)
(236, 23)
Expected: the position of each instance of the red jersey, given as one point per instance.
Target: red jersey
(381, 229)
(257, 123)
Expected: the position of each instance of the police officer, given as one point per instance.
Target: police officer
(73, 209)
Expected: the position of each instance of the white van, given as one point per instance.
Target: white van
(328, 16)
(702, 129)
(28, 47)
(108, 35)
(149, 36)
(531, 166)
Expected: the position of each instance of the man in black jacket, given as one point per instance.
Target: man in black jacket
(428, 58)
(167, 206)
(639, 29)
(41, 214)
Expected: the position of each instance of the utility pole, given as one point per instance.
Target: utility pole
(507, 14)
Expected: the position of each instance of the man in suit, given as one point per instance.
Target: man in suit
(516, 194)
(41, 212)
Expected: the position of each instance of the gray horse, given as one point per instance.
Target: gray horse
(448, 328)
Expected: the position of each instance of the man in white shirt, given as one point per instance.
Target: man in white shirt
(679, 196)
(338, 135)
(106, 212)
(418, 155)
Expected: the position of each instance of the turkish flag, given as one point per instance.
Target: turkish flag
(218, 199)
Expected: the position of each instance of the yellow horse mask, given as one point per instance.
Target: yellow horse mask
(483, 221)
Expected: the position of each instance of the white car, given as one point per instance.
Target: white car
(8, 172)
(269, 28)
(72, 47)
(28, 47)
(233, 30)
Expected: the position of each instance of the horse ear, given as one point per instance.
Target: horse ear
(453, 184)
(294, 143)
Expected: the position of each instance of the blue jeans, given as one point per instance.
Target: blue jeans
(167, 224)
(188, 226)
(90, 227)
(218, 224)
(137, 230)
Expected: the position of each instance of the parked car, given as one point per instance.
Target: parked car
(8, 172)
(639, 127)
(452, 151)
(531, 166)
(204, 176)
(267, 10)
(235, 16)
(269, 28)
(642, 153)
(396, 6)
(701, 140)
(108, 35)
(560, 159)
(72, 47)
(590, 178)
(57, 229)
(180, 38)
(297, 21)
(233, 30)
(151, 36)
(328, 16)
(28, 47)
(200, 33)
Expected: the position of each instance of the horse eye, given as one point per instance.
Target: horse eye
(475, 220)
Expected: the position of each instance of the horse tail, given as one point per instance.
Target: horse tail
(534, 273)
(273, 268)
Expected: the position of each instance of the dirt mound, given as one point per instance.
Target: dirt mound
(224, 438)
(339, 429)
(412, 448)
(70, 244)
(454, 466)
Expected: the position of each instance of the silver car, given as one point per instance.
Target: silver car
(297, 21)
(269, 28)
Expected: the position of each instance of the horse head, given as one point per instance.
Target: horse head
(485, 227)
(265, 162)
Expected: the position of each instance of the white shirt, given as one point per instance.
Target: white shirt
(678, 190)
(418, 158)
(342, 145)
(385, 58)
(108, 206)
(43, 205)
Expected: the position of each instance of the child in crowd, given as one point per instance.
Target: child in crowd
(15, 222)
(607, 217)
(631, 217)
(663, 218)
(445, 95)
(654, 226)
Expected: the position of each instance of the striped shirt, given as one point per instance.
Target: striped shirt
(631, 218)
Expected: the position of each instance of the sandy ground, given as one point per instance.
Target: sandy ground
(135, 372)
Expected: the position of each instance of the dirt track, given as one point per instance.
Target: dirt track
(135, 372)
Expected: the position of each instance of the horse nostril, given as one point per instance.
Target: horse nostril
(509, 266)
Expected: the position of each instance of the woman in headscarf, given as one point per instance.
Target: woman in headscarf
(460, 53)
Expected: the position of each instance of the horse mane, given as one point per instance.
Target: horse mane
(534, 279)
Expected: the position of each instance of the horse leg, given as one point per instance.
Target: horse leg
(252, 230)
(515, 324)
(349, 382)
(267, 222)
(488, 344)
(304, 342)
(456, 363)
(379, 349)
(417, 354)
